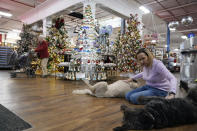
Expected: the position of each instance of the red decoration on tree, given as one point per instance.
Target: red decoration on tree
(59, 23)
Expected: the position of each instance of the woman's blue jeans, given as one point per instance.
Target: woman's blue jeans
(146, 90)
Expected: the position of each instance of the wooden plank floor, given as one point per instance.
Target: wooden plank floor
(49, 105)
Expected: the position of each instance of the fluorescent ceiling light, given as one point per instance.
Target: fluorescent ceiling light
(184, 37)
(176, 49)
(13, 35)
(153, 41)
(18, 31)
(5, 14)
(114, 22)
(172, 29)
(144, 9)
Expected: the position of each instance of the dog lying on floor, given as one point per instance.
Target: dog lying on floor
(102, 89)
(160, 112)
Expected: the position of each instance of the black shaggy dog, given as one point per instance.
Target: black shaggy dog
(160, 113)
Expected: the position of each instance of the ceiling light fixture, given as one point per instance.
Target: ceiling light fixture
(187, 20)
(176, 49)
(172, 29)
(144, 9)
(184, 37)
(5, 14)
(173, 24)
(15, 30)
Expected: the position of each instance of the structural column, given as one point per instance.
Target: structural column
(44, 27)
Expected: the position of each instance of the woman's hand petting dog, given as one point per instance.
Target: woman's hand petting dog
(170, 96)
(128, 80)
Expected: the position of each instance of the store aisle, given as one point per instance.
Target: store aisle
(48, 104)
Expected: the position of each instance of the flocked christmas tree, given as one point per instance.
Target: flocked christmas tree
(58, 43)
(27, 40)
(126, 46)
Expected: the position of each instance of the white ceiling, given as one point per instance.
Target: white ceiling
(16, 8)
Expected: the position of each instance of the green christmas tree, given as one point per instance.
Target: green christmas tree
(27, 40)
(58, 43)
(126, 46)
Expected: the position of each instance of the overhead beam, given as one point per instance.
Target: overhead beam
(32, 6)
(179, 15)
(176, 7)
(11, 19)
(113, 12)
(149, 3)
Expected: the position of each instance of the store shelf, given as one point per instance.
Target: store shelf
(189, 51)
(5, 53)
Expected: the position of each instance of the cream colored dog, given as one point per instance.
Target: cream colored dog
(102, 89)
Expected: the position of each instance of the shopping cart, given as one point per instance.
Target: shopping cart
(21, 64)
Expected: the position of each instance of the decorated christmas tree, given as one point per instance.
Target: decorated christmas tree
(27, 40)
(58, 44)
(126, 46)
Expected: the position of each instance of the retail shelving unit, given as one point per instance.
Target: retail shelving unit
(189, 61)
(5, 53)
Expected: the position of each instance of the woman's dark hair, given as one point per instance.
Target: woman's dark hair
(142, 50)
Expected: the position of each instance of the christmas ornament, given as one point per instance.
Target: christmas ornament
(186, 20)
(173, 24)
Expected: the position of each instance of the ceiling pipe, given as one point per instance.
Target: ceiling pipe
(23, 3)
(4, 9)
(175, 7)
(180, 31)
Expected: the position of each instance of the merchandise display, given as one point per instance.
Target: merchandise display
(103, 39)
(188, 62)
(5, 55)
(86, 61)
